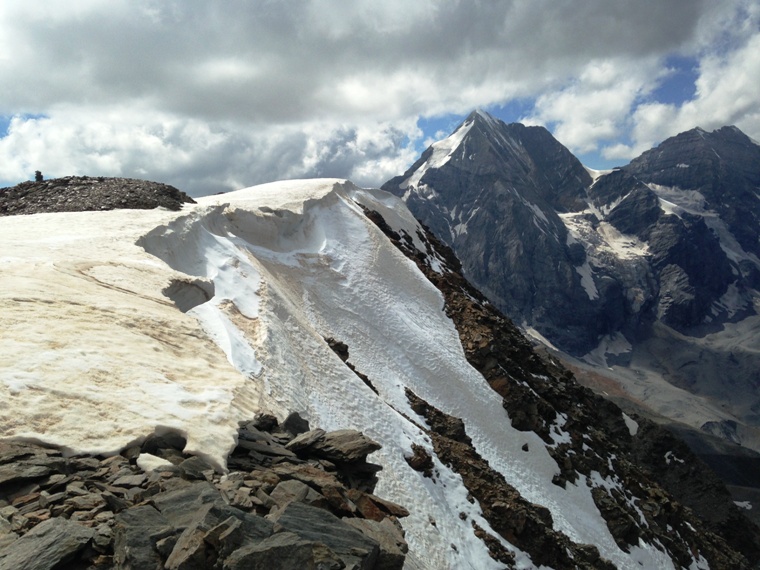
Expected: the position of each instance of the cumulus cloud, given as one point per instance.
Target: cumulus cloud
(217, 95)
(608, 107)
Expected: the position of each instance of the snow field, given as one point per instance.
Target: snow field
(93, 342)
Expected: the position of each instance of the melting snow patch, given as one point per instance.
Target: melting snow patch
(691, 201)
(596, 174)
(669, 456)
(744, 505)
(587, 280)
(633, 427)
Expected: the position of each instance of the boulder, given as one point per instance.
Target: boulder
(318, 525)
(345, 446)
(48, 545)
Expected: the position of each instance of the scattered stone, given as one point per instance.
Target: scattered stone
(195, 468)
(82, 193)
(305, 440)
(47, 545)
(319, 525)
(141, 510)
(420, 460)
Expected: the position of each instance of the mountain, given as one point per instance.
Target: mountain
(647, 273)
(494, 193)
(126, 326)
(577, 257)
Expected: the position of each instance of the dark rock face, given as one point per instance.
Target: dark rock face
(722, 166)
(654, 489)
(496, 203)
(535, 235)
(277, 508)
(84, 193)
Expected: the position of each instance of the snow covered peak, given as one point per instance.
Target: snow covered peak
(438, 154)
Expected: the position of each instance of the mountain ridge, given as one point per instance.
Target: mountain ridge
(279, 282)
(650, 277)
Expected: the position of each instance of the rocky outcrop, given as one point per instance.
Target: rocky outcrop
(523, 524)
(681, 511)
(85, 193)
(293, 498)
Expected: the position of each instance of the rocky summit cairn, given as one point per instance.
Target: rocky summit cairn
(87, 193)
(293, 498)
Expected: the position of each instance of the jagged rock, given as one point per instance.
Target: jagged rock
(420, 460)
(187, 517)
(49, 544)
(288, 491)
(344, 446)
(305, 440)
(195, 468)
(14, 473)
(318, 525)
(136, 532)
(390, 538)
(283, 551)
(81, 193)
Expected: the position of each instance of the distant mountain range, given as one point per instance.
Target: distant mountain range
(649, 272)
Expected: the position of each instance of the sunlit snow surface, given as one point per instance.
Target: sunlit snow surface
(94, 356)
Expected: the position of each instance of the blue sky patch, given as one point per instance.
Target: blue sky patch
(679, 85)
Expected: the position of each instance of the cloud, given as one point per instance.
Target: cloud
(198, 156)
(608, 107)
(595, 106)
(221, 94)
(727, 94)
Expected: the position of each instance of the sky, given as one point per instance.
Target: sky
(214, 96)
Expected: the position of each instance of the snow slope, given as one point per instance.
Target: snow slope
(92, 341)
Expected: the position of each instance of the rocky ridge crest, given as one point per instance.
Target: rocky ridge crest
(86, 193)
(647, 485)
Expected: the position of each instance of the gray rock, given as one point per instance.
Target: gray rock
(314, 524)
(389, 536)
(15, 472)
(266, 448)
(49, 544)
(283, 551)
(305, 440)
(195, 468)
(288, 491)
(180, 506)
(136, 532)
(345, 446)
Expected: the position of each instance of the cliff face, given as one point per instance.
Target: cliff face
(641, 475)
(494, 193)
